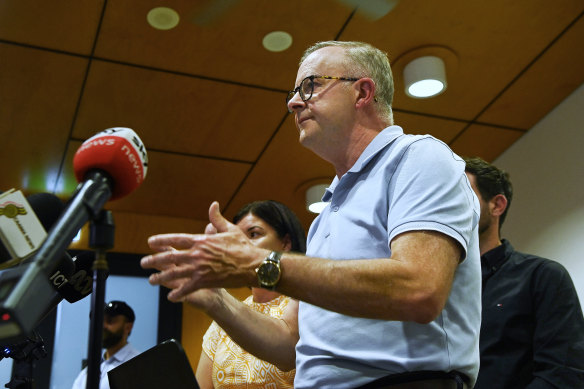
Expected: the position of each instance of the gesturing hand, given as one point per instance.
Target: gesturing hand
(188, 262)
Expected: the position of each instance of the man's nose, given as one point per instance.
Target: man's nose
(295, 103)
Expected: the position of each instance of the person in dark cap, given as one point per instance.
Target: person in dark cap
(118, 322)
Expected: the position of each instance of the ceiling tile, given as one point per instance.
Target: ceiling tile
(69, 26)
(38, 97)
(486, 142)
(283, 173)
(229, 47)
(558, 72)
(443, 129)
(175, 185)
(179, 113)
(491, 42)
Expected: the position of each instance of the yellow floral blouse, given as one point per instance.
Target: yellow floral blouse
(233, 367)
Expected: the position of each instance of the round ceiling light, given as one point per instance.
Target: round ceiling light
(425, 77)
(163, 18)
(277, 41)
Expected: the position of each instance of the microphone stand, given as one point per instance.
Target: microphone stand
(101, 238)
(24, 355)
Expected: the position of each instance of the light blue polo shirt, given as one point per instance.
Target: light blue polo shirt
(400, 183)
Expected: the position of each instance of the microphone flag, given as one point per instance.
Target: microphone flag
(20, 229)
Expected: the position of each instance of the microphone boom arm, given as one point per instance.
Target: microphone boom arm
(25, 291)
(86, 203)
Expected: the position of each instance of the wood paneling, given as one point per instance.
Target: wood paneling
(64, 25)
(543, 85)
(39, 91)
(208, 100)
(484, 141)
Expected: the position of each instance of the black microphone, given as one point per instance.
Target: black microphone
(80, 284)
(75, 287)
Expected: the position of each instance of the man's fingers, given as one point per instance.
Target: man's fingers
(170, 274)
(179, 241)
(181, 293)
(210, 229)
(217, 220)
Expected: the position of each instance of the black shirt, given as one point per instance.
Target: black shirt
(532, 330)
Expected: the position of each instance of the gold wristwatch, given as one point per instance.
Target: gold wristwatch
(269, 271)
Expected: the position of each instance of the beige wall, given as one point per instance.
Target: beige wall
(547, 171)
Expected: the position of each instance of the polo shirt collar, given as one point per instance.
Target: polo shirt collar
(385, 137)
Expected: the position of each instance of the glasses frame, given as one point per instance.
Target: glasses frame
(303, 95)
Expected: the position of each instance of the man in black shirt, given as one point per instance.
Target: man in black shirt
(532, 331)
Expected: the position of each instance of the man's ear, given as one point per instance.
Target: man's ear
(366, 89)
(128, 328)
(498, 205)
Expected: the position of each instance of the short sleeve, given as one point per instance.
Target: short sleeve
(431, 192)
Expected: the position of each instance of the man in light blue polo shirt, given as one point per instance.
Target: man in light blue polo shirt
(390, 285)
(400, 183)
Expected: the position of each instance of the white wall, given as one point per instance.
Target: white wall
(72, 333)
(546, 167)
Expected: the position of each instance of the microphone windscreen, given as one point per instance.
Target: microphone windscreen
(62, 271)
(47, 207)
(4, 254)
(81, 282)
(117, 151)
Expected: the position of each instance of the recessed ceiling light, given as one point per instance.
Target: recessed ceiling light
(425, 77)
(277, 41)
(163, 18)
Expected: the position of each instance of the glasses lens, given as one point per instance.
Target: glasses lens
(306, 88)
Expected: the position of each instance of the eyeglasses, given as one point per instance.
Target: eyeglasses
(306, 87)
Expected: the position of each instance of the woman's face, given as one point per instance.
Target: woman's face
(261, 233)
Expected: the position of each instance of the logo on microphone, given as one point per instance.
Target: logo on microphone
(58, 279)
(134, 162)
(20, 230)
(11, 209)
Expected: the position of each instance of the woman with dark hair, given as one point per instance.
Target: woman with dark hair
(236, 353)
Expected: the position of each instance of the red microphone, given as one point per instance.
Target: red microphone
(108, 165)
(117, 151)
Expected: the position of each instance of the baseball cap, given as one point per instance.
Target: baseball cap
(115, 307)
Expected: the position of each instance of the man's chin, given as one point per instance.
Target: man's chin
(304, 138)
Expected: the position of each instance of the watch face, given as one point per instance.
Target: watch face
(269, 273)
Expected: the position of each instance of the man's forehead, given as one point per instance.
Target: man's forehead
(113, 317)
(320, 61)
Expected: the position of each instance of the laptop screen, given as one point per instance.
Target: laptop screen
(163, 366)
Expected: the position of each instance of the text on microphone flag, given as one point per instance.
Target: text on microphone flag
(117, 151)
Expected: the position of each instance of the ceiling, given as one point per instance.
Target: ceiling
(208, 100)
